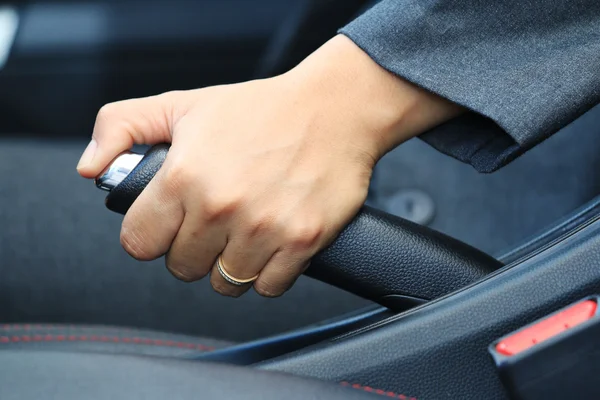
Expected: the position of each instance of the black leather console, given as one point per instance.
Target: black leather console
(439, 350)
(35, 375)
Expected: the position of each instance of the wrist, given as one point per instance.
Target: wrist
(380, 109)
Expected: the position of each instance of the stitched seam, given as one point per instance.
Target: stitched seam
(31, 327)
(103, 339)
(377, 391)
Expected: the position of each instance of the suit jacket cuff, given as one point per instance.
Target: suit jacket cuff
(525, 68)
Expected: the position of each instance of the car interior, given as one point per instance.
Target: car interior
(441, 263)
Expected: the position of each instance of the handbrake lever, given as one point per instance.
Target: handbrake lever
(378, 256)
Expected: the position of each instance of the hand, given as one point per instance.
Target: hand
(264, 173)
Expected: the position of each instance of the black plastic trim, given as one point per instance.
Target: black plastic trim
(263, 349)
(561, 227)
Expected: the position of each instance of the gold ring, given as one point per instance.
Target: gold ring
(229, 278)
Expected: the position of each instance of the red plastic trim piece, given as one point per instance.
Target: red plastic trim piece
(547, 328)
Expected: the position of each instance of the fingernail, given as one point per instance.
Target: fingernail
(88, 154)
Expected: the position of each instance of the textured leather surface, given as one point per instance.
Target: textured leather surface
(379, 254)
(376, 255)
(104, 339)
(35, 375)
(439, 351)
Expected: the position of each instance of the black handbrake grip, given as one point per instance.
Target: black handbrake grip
(378, 256)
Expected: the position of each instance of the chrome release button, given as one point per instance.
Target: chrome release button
(118, 170)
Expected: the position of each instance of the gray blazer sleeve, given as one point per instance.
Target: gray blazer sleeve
(526, 68)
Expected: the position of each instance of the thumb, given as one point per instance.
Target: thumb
(122, 124)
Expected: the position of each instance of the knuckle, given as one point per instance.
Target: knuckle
(135, 246)
(260, 224)
(107, 111)
(266, 289)
(184, 274)
(222, 205)
(179, 175)
(171, 94)
(305, 235)
(225, 291)
(177, 94)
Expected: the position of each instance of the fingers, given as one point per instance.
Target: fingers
(155, 217)
(243, 258)
(280, 274)
(195, 249)
(120, 125)
(152, 222)
(217, 227)
(221, 286)
(301, 239)
(278, 256)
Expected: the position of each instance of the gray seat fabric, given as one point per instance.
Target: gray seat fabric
(104, 339)
(34, 375)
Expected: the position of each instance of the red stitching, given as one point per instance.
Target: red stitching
(27, 327)
(377, 391)
(114, 339)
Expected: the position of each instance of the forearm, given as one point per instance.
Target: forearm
(377, 105)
